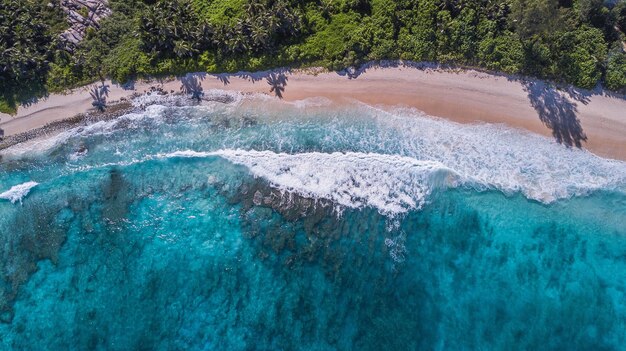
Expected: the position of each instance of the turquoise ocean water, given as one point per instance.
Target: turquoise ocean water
(263, 225)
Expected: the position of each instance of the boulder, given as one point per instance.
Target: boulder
(81, 20)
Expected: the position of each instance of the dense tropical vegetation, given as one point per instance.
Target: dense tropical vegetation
(574, 41)
(28, 45)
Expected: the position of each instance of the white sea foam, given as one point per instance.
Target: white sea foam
(208, 96)
(154, 106)
(18, 192)
(390, 183)
(219, 94)
(42, 145)
(395, 184)
(311, 102)
(153, 98)
(503, 158)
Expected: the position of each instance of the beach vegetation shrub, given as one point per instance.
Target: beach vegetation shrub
(61, 77)
(580, 56)
(84, 12)
(537, 57)
(6, 107)
(534, 17)
(616, 69)
(127, 61)
(502, 53)
(417, 37)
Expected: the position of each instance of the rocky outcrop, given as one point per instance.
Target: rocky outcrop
(82, 14)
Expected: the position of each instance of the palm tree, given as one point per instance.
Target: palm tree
(259, 35)
(326, 8)
(172, 27)
(237, 44)
(182, 48)
(253, 7)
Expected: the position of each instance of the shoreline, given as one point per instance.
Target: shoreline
(113, 111)
(595, 121)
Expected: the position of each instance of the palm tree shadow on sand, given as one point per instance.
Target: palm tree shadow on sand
(556, 109)
(223, 77)
(99, 96)
(277, 82)
(557, 113)
(192, 85)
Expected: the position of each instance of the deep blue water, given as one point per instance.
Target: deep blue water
(260, 225)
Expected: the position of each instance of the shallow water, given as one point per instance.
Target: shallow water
(265, 225)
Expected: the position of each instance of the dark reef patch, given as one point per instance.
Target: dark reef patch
(36, 233)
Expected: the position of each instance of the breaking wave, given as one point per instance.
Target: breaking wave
(18, 192)
(390, 183)
(395, 184)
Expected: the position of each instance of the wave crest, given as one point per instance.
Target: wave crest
(390, 183)
(18, 192)
(396, 184)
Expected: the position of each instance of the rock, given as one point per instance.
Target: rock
(96, 11)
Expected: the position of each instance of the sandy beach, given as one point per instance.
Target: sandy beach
(592, 120)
